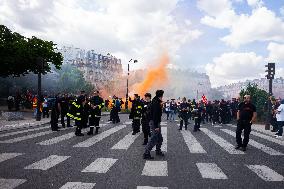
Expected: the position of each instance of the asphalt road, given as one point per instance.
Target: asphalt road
(36, 157)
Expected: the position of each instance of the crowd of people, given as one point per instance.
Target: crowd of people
(86, 110)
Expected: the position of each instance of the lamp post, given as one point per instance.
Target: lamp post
(127, 90)
(197, 91)
(40, 62)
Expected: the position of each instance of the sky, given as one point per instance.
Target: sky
(229, 40)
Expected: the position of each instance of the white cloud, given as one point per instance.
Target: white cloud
(234, 67)
(281, 10)
(261, 25)
(255, 3)
(128, 29)
(276, 53)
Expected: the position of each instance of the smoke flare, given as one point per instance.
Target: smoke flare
(155, 77)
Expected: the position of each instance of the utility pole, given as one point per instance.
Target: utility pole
(270, 76)
(127, 89)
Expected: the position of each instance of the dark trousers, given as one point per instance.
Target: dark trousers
(185, 123)
(115, 118)
(168, 114)
(280, 128)
(136, 125)
(146, 130)
(94, 121)
(246, 126)
(155, 140)
(274, 123)
(63, 115)
(197, 121)
(54, 119)
(78, 127)
(45, 112)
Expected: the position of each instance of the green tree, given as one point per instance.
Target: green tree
(20, 55)
(259, 98)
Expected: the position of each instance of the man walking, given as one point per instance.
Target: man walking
(155, 125)
(96, 105)
(246, 115)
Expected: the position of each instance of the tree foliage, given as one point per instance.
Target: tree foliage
(20, 55)
(259, 98)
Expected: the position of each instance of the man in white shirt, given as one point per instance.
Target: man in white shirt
(280, 119)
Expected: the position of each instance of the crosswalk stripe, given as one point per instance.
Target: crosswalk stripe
(93, 140)
(210, 171)
(128, 122)
(265, 173)
(57, 139)
(18, 139)
(193, 145)
(126, 142)
(269, 138)
(164, 123)
(257, 145)
(150, 187)
(155, 168)
(221, 142)
(47, 163)
(6, 156)
(11, 183)
(24, 131)
(78, 185)
(164, 146)
(100, 165)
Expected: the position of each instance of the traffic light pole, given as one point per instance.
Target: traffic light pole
(270, 77)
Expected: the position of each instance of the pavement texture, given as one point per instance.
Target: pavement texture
(38, 158)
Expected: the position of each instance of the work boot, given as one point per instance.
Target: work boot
(145, 142)
(97, 130)
(244, 148)
(133, 133)
(91, 132)
(238, 147)
(147, 156)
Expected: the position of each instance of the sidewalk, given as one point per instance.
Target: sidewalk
(28, 121)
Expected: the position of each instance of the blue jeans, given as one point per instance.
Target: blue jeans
(280, 127)
(172, 115)
(155, 140)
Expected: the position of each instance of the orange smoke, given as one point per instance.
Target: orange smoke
(155, 77)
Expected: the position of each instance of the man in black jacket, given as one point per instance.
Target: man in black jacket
(96, 105)
(156, 110)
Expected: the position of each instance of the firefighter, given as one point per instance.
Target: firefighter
(96, 104)
(76, 112)
(183, 113)
(146, 117)
(115, 109)
(136, 113)
(55, 111)
(64, 107)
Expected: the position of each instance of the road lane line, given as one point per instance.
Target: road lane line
(257, 145)
(155, 168)
(100, 165)
(57, 139)
(11, 183)
(210, 171)
(126, 142)
(24, 131)
(97, 138)
(221, 142)
(265, 173)
(7, 156)
(78, 185)
(47, 163)
(193, 145)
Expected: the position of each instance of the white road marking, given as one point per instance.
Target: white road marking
(265, 173)
(164, 146)
(126, 142)
(269, 138)
(100, 165)
(191, 142)
(6, 156)
(150, 187)
(47, 163)
(210, 171)
(57, 139)
(78, 185)
(23, 131)
(155, 168)
(11, 183)
(128, 122)
(221, 142)
(257, 145)
(164, 123)
(19, 139)
(93, 140)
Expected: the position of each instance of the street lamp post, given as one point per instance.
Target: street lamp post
(197, 91)
(127, 89)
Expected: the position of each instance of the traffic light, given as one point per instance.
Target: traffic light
(270, 70)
